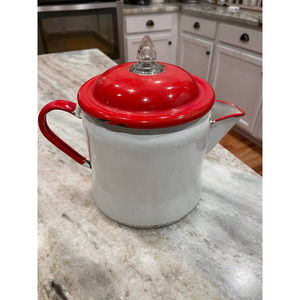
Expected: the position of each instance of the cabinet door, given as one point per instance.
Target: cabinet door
(237, 78)
(195, 55)
(163, 43)
(257, 133)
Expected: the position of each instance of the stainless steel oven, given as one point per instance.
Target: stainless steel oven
(76, 25)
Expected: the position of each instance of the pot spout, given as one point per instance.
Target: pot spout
(224, 116)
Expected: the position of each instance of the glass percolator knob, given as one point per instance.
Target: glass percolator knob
(146, 56)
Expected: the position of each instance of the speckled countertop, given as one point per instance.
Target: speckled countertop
(243, 17)
(213, 253)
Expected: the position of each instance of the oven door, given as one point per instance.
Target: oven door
(79, 26)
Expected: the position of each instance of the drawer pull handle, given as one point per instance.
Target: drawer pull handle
(207, 52)
(149, 23)
(245, 38)
(169, 42)
(197, 25)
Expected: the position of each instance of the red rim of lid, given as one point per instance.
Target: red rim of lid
(189, 111)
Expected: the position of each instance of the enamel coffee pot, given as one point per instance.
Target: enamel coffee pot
(148, 126)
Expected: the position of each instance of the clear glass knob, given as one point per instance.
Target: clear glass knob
(146, 56)
(146, 50)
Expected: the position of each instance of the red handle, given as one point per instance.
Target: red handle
(69, 107)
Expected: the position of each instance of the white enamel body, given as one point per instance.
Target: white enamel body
(146, 177)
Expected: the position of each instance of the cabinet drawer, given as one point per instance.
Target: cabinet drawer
(198, 26)
(239, 36)
(148, 23)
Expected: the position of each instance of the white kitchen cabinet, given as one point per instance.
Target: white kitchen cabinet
(198, 26)
(149, 23)
(236, 76)
(242, 37)
(227, 56)
(195, 55)
(163, 44)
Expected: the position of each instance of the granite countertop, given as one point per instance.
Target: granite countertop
(243, 17)
(213, 253)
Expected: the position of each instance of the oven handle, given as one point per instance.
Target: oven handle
(70, 7)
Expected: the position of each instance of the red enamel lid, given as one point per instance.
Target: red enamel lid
(146, 94)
